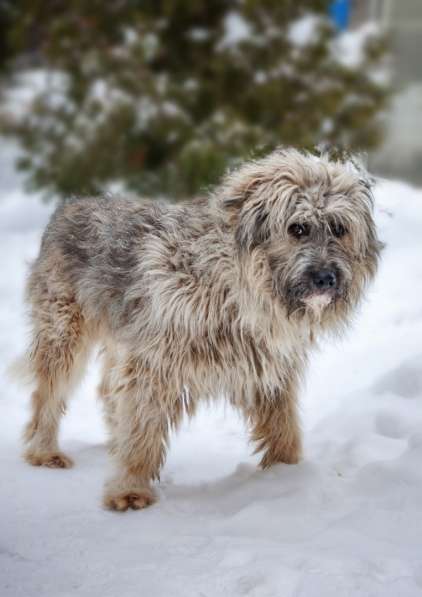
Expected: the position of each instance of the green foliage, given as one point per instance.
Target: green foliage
(163, 95)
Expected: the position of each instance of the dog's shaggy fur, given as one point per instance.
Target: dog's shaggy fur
(192, 301)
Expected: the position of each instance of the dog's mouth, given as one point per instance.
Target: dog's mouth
(303, 300)
(319, 300)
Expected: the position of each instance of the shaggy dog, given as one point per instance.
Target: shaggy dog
(192, 301)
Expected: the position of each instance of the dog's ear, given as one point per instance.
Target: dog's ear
(248, 212)
(253, 228)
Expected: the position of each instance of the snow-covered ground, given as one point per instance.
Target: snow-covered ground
(347, 521)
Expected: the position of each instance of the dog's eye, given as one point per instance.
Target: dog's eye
(338, 230)
(299, 230)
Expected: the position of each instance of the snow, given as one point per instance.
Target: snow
(349, 46)
(31, 84)
(236, 30)
(304, 30)
(346, 521)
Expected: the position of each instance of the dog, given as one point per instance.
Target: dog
(223, 296)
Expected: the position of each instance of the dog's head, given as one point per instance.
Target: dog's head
(312, 220)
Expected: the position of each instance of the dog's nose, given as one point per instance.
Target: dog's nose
(324, 279)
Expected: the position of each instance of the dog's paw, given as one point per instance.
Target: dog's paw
(135, 499)
(290, 454)
(48, 459)
(127, 490)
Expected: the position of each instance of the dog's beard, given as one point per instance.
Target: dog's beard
(301, 300)
(317, 302)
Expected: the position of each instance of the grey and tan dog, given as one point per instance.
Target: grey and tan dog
(221, 297)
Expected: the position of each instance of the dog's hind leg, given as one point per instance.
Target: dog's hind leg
(56, 360)
(146, 411)
(105, 388)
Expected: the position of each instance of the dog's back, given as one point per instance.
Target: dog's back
(93, 250)
(89, 249)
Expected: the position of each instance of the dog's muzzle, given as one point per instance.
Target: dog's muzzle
(323, 287)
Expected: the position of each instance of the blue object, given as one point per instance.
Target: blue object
(340, 13)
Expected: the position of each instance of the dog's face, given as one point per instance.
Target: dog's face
(313, 221)
(325, 250)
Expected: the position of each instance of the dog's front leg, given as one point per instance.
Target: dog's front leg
(143, 419)
(275, 427)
